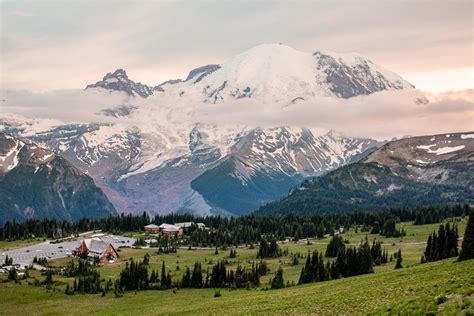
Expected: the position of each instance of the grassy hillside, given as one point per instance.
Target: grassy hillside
(407, 290)
(410, 289)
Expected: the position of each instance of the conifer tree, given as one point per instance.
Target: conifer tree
(398, 264)
(467, 246)
(277, 282)
(163, 276)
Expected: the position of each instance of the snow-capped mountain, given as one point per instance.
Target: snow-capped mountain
(155, 152)
(272, 73)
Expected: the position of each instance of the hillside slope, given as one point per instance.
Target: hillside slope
(414, 171)
(37, 183)
(412, 290)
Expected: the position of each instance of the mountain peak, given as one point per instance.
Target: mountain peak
(279, 73)
(272, 73)
(119, 81)
(119, 74)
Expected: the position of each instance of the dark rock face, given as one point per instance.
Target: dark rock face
(201, 72)
(119, 81)
(37, 183)
(347, 81)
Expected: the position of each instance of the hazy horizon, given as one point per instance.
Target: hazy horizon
(51, 45)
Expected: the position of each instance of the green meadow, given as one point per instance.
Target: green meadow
(444, 287)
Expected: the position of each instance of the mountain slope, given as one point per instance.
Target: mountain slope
(409, 172)
(266, 163)
(36, 183)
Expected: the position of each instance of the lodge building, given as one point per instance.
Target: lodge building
(95, 249)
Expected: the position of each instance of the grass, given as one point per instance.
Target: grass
(410, 290)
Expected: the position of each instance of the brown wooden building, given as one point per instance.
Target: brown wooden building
(96, 249)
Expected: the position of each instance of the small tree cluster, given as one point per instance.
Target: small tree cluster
(242, 277)
(389, 229)
(398, 264)
(314, 269)
(41, 261)
(134, 276)
(194, 278)
(89, 283)
(442, 245)
(335, 245)
(277, 281)
(268, 249)
(86, 277)
(379, 255)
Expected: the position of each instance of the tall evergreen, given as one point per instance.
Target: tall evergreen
(277, 282)
(467, 247)
(398, 264)
(163, 279)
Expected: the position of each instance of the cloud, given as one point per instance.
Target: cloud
(61, 105)
(381, 115)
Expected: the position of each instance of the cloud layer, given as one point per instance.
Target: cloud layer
(381, 115)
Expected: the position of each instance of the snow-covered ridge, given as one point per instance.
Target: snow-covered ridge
(270, 73)
(14, 151)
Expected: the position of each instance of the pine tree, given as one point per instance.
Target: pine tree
(398, 264)
(467, 247)
(277, 282)
(163, 276)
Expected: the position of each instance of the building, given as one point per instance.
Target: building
(171, 230)
(95, 249)
(201, 225)
(184, 225)
(152, 229)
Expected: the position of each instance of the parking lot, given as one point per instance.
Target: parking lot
(24, 256)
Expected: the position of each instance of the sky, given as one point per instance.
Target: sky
(54, 45)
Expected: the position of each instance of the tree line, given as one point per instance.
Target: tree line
(228, 231)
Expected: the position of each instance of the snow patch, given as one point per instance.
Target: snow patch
(441, 150)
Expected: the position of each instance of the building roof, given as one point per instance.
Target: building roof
(184, 224)
(169, 227)
(96, 245)
(152, 226)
